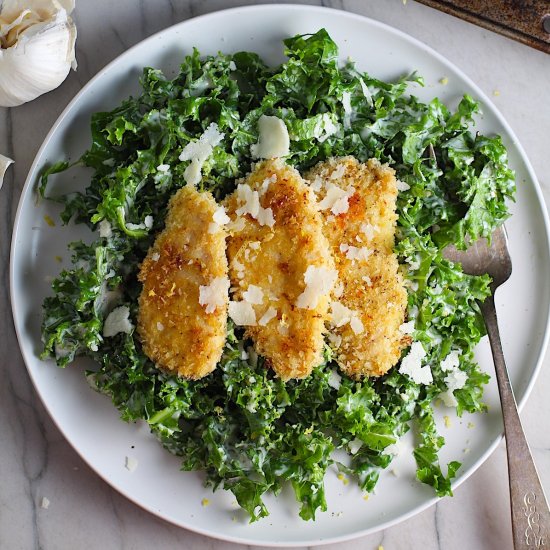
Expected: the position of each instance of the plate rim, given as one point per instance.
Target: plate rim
(30, 182)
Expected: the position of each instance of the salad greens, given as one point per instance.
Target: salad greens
(247, 429)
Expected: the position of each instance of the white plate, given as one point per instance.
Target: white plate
(90, 422)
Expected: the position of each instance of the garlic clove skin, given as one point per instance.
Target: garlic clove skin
(43, 49)
(4, 163)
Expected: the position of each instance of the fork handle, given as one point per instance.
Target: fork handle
(530, 511)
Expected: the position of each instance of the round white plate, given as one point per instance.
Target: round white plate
(90, 422)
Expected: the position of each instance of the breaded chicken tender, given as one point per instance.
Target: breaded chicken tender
(280, 268)
(358, 206)
(182, 316)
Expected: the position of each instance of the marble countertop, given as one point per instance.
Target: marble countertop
(35, 460)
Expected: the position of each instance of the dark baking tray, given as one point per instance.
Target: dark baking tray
(527, 21)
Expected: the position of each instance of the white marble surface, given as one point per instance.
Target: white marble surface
(35, 460)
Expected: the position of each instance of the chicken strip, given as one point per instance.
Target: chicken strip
(280, 268)
(182, 315)
(358, 205)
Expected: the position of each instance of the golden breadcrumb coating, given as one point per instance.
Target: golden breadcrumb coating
(371, 287)
(275, 259)
(176, 331)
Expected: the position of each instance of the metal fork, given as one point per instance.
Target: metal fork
(530, 511)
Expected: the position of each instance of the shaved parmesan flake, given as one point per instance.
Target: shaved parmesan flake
(220, 217)
(250, 200)
(105, 229)
(4, 164)
(338, 173)
(273, 139)
(448, 398)
(316, 184)
(117, 321)
(402, 186)
(266, 183)
(319, 282)
(250, 204)
(369, 230)
(355, 445)
(356, 325)
(407, 328)
(366, 92)
(327, 128)
(336, 199)
(334, 380)
(254, 295)
(198, 151)
(346, 103)
(455, 380)
(354, 253)
(131, 463)
(242, 313)
(237, 225)
(340, 314)
(267, 316)
(214, 294)
(265, 217)
(163, 167)
(411, 365)
(451, 362)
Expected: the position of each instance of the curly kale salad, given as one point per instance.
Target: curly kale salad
(248, 430)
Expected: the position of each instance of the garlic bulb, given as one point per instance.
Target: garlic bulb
(4, 163)
(37, 39)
